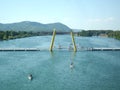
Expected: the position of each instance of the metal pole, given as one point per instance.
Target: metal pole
(52, 41)
(73, 41)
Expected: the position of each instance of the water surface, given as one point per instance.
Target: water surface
(93, 70)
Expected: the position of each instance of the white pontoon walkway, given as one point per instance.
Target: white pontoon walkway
(38, 49)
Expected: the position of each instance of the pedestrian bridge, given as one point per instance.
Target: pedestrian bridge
(56, 49)
(70, 48)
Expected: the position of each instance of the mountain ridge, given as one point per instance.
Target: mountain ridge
(34, 27)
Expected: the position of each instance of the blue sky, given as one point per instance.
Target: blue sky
(77, 14)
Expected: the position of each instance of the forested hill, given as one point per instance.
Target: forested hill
(34, 27)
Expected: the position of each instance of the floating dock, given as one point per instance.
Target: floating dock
(20, 49)
(103, 49)
(38, 49)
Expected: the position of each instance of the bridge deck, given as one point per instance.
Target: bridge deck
(38, 49)
(104, 49)
(19, 49)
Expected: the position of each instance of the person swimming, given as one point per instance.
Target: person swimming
(30, 77)
(71, 65)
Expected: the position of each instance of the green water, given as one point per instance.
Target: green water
(99, 70)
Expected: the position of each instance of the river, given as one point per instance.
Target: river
(93, 70)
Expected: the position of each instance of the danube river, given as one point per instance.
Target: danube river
(93, 70)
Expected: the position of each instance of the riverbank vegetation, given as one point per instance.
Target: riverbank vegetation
(7, 35)
(103, 33)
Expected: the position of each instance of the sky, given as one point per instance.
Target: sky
(76, 14)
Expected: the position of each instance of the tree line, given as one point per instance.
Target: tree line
(108, 33)
(7, 35)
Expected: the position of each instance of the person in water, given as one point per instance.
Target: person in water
(30, 77)
(71, 65)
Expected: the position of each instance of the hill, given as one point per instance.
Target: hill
(34, 27)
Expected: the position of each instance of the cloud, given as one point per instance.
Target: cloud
(101, 23)
(109, 19)
(101, 20)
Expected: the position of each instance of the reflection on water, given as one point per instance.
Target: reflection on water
(51, 70)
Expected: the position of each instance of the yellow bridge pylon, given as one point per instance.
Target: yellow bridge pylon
(53, 38)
